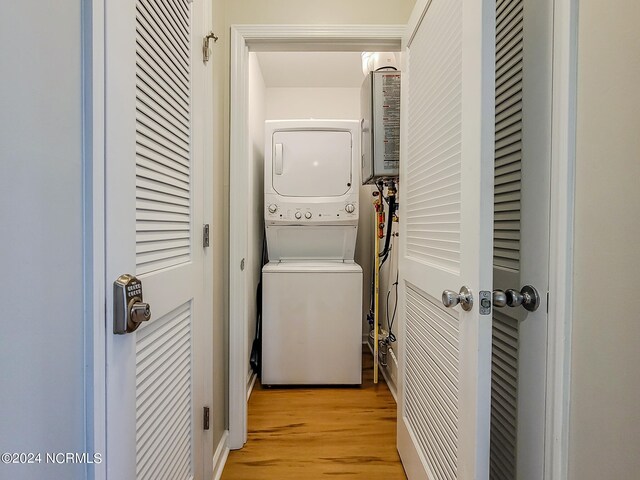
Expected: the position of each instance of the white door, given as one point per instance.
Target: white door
(154, 186)
(446, 224)
(521, 235)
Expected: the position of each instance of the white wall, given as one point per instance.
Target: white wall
(41, 210)
(325, 103)
(314, 12)
(388, 275)
(220, 225)
(364, 250)
(257, 102)
(605, 388)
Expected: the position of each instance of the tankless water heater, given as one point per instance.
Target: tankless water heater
(380, 122)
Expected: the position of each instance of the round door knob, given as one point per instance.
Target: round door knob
(298, 215)
(307, 215)
(514, 298)
(350, 208)
(465, 298)
(273, 208)
(528, 297)
(450, 298)
(499, 298)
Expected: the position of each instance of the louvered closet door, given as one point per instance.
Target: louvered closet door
(446, 189)
(506, 239)
(154, 207)
(521, 235)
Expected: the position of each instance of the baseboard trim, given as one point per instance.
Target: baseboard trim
(220, 456)
(390, 385)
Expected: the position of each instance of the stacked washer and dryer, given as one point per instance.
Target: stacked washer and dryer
(312, 287)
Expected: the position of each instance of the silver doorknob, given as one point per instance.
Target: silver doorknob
(499, 298)
(140, 312)
(465, 299)
(527, 297)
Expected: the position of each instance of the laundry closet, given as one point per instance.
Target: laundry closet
(323, 91)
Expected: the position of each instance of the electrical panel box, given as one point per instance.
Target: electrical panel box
(380, 122)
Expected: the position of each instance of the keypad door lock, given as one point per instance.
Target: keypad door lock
(129, 311)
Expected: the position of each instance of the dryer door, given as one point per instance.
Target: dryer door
(311, 163)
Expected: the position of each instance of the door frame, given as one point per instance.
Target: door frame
(274, 38)
(94, 229)
(561, 237)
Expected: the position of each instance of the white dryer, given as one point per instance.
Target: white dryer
(312, 288)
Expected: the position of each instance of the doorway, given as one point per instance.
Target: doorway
(270, 39)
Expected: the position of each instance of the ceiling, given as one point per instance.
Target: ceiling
(311, 69)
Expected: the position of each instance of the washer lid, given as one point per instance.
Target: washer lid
(311, 163)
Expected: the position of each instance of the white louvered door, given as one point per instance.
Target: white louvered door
(521, 235)
(446, 223)
(154, 212)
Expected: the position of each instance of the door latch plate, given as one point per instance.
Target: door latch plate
(485, 302)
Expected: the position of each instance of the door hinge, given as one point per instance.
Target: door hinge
(206, 52)
(205, 422)
(205, 235)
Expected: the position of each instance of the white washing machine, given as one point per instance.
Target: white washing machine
(312, 288)
(312, 331)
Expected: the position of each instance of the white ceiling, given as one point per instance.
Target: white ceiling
(311, 69)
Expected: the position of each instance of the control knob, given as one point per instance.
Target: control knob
(350, 208)
(273, 208)
(307, 215)
(298, 215)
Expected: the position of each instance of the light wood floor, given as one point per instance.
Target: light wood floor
(316, 433)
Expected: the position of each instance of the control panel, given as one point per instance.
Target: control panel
(318, 213)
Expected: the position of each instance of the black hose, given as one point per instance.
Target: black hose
(387, 241)
(255, 358)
